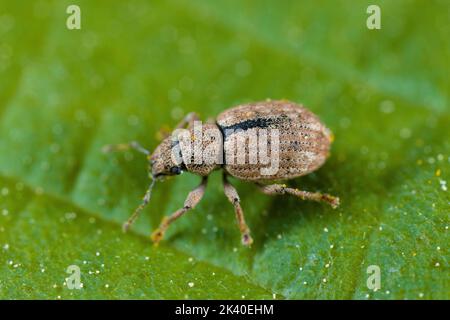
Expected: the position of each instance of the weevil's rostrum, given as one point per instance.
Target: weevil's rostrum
(263, 143)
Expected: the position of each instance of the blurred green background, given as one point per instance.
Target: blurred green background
(137, 66)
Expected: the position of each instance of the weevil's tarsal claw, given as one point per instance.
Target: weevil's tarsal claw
(331, 200)
(157, 236)
(247, 239)
(126, 226)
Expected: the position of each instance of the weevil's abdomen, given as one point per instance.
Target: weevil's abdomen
(303, 141)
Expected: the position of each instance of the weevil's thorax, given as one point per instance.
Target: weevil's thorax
(201, 148)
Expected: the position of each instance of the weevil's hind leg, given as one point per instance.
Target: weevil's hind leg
(275, 189)
(233, 197)
(125, 146)
(191, 201)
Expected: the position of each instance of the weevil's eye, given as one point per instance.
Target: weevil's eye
(175, 170)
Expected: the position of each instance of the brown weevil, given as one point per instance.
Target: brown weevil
(263, 142)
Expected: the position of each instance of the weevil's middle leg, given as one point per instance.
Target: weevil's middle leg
(274, 189)
(192, 200)
(233, 197)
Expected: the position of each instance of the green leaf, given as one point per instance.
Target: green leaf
(136, 66)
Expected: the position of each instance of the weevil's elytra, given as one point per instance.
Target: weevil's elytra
(245, 142)
(304, 140)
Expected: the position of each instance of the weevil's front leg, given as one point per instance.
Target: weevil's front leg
(274, 189)
(233, 197)
(125, 146)
(192, 200)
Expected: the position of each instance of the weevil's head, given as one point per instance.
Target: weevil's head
(164, 161)
(197, 150)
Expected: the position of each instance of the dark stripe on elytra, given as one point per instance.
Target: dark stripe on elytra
(251, 123)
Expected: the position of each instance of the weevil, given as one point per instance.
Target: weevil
(244, 141)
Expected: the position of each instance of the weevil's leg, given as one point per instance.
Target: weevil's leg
(138, 210)
(233, 197)
(191, 201)
(274, 189)
(125, 146)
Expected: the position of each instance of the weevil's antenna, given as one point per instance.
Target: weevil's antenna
(138, 210)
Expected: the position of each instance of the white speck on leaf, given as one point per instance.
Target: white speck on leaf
(443, 184)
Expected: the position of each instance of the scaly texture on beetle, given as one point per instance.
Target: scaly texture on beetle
(283, 132)
(304, 140)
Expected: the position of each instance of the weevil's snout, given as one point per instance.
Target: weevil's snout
(163, 160)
